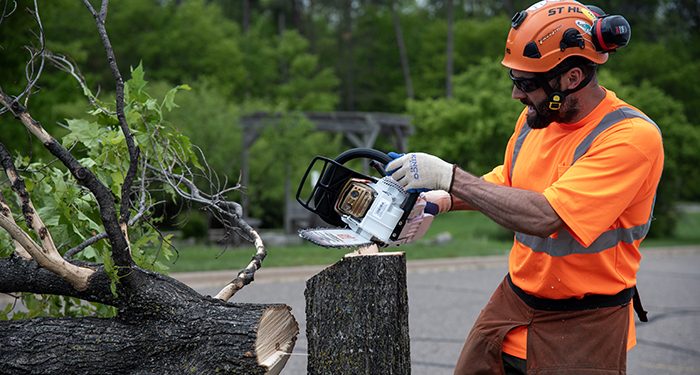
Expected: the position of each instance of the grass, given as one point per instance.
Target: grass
(472, 234)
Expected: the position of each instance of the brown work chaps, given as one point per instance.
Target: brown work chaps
(590, 342)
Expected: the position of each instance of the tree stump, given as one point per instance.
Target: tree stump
(357, 317)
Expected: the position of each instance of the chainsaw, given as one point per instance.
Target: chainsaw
(362, 209)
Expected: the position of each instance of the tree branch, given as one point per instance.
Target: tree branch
(247, 275)
(31, 75)
(66, 64)
(231, 213)
(79, 277)
(123, 253)
(5, 13)
(103, 195)
(5, 208)
(32, 219)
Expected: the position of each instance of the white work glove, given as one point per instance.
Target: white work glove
(420, 172)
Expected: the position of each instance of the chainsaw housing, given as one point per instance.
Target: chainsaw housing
(375, 209)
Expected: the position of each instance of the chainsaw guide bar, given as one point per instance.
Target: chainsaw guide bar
(341, 238)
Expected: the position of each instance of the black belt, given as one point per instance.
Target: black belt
(590, 302)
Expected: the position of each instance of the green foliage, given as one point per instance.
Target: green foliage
(191, 41)
(71, 213)
(306, 88)
(283, 151)
(210, 120)
(194, 225)
(474, 41)
(378, 77)
(473, 128)
(672, 71)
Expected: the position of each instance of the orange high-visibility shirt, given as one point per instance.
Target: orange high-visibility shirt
(605, 198)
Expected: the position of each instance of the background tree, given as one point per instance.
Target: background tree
(244, 71)
(98, 196)
(450, 48)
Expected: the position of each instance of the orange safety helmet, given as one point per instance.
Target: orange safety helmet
(549, 31)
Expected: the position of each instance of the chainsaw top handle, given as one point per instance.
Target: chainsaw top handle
(365, 153)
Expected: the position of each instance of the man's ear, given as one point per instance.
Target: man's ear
(574, 77)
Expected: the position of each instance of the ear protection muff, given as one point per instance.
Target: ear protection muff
(609, 32)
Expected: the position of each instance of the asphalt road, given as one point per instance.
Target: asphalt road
(446, 296)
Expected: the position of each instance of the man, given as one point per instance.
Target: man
(577, 187)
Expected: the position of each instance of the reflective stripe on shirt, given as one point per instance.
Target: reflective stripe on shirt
(566, 244)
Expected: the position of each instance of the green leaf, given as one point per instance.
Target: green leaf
(111, 272)
(137, 82)
(81, 130)
(151, 104)
(4, 313)
(117, 178)
(169, 100)
(89, 253)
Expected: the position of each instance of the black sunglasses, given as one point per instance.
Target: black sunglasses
(525, 84)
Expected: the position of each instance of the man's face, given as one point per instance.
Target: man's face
(539, 116)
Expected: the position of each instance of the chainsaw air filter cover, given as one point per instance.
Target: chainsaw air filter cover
(356, 198)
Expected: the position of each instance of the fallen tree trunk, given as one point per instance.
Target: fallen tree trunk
(163, 327)
(357, 317)
(212, 338)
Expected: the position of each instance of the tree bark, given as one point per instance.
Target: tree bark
(357, 317)
(164, 327)
(349, 55)
(450, 49)
(212, 337)
(246, 16)
(402, 52)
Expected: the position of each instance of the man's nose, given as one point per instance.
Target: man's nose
(518, 94)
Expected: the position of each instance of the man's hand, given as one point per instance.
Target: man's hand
(421, 172)
(418, 221)
(428, 205)
(441, 199)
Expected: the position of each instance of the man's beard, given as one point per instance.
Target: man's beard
(544, 116)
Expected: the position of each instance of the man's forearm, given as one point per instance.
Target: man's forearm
(519, 210)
